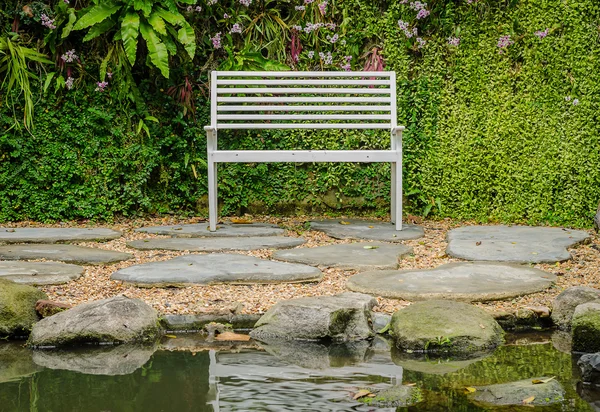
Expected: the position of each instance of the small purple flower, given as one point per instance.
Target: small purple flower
(333, 38)
(331, 26)
(323, 8)
(236, 28)
(347, 67)
(422, 14)
(308, 1)
(542, 34)
(297, 28)
(311, 54)
(69, 83)
(109, 75)
(347, 59)
(226, 16)
(575, 102)
(403, 25)
(505, 41)
(417, 5)
(420, 43)
(47, 21)
(216, 41)
(300, 8)
(454, 41)
(327, 58)
(70, 56)
(211, 2)
(246, 2)
(101, 86)
(567, 98)
(198, 9)
(190, 9)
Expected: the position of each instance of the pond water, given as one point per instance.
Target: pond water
(183, 374)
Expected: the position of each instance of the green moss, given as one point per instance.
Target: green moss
(17, 308)
(586, 332)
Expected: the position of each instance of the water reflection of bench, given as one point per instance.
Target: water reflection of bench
(260, 381)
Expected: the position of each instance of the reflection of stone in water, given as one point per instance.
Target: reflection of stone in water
(514, 393)
(106, 360)
(15, 362)
(562, 341)
(435, 364)
(590, 394)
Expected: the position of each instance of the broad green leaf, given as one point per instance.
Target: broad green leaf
(157, 49)
(69, 26)
(129, 34)
(60, 82)
(97, 14)
(145, 6)
(158, 24)
(171, 46)
(187, 37)
(99, 29)
(175, 19)
(49, 78)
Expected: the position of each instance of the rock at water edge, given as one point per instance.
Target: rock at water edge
(445, 326)
(115, 320)
(586, 327)
(17, 308)
(564, 304)
(343, 317)
(521, 392)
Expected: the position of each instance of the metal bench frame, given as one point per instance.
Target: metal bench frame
(269, 97)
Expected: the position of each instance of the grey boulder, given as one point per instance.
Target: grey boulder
(445, 326)
(344, 317)
(514, 393)
(17, 308)
(590, 368)
(115, 320)
(564, 304)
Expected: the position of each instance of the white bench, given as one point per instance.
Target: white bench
(304, 100)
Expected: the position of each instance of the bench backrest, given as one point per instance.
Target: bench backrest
(303, 100)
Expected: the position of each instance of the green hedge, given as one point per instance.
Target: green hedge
(490, 136)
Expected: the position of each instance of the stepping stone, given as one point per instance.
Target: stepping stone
(463, 281)
(366, 229)
(218, 268)
(55, 234)
(39, 273)
(217, 244)
(522, 244)
(355, 256)
(62, 253)
(226, 230)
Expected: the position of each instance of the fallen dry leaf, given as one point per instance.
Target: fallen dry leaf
(343, 222)
(361, 393)
(232, 336)
(470, 389)
(539, 381)
(240, 221)
(527, 401)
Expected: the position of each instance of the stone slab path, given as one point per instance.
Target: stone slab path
(464, 281)
(355, 256)
(223, 230)
(217, 244)
(62, 253)
(55, 235)
(218, 268)
(366, 230)
(519, 244)
(39, 273)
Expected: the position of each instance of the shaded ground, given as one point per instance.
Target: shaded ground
(429, 252)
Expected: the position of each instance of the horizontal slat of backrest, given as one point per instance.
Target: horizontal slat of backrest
(304, 100)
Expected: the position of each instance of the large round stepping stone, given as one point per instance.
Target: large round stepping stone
(217, 244)
(55, 234)
(355, 256)
(62, 253)
(463, 281)
(223, 230)
(366, 229)
(39, 273)
(445, 326)
(215, 269)
(522, 244)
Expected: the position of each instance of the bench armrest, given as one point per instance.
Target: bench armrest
(209, 128)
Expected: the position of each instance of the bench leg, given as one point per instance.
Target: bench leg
(396, 180)
(211, 141)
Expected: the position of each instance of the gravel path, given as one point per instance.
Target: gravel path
(429, 252)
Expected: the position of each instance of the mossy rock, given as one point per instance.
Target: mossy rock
(17, 308)
(586, 327)
(394, 397)
(445, 326)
